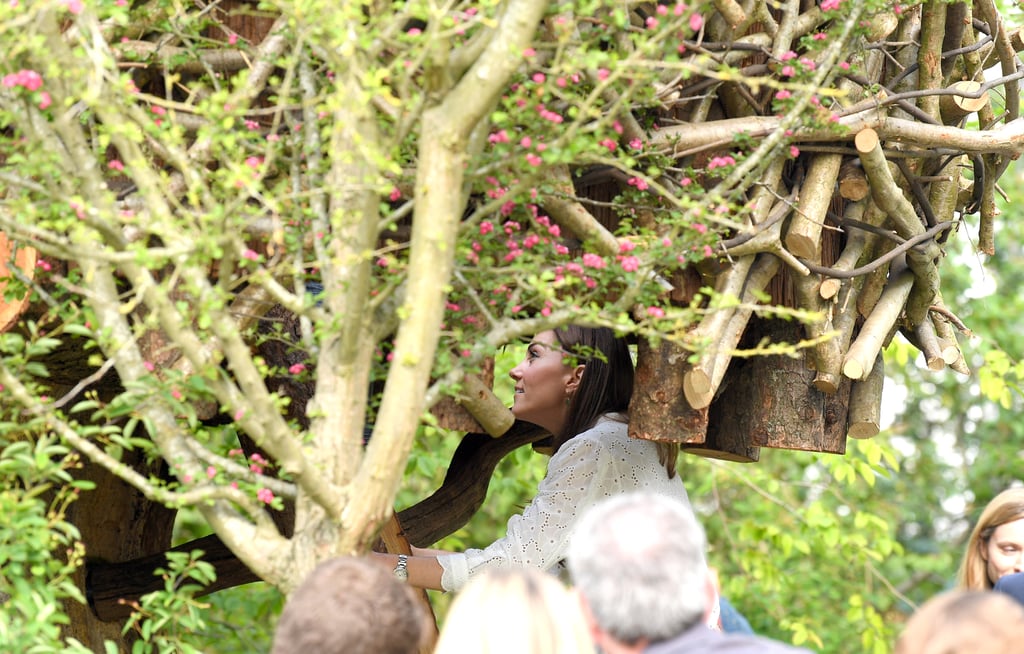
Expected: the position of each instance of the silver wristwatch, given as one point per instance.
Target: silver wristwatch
(401, 573)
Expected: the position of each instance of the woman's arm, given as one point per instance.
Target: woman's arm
(424, 571)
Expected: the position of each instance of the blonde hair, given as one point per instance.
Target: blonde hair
(514, 611)
(1005, 507)
(964, 622)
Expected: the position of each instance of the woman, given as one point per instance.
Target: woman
(515, 611)
(576, 383)
(996, 546)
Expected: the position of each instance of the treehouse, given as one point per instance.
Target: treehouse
(849, 230)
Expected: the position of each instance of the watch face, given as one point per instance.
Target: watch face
(401, 572)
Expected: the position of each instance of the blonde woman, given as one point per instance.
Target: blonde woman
(996, 545)
(519, 610)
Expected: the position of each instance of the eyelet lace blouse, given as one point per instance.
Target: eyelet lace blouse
(589, 467)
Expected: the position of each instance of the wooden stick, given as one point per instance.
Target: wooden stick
(864, 417)
(803, 238)
(396, 543)
(485, 406)
(702, 380)
(879, 324)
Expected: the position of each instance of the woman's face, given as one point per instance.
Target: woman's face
(543, 383)
(1004, 552)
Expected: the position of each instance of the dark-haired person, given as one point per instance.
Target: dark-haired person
(350, 605)
(576, 383)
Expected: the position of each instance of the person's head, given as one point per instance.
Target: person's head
(1011, 585)
(514, 611)
(350, 605)
(964, 622)
(570, 377)
(638, 563)
(996, 545)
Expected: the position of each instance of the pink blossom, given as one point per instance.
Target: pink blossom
(630, 264)
(158, 110)
(626, 246)
(602, 74)
(639, 183)
(651, 22)
(251, 125)
(148, 365)
(529, 52)
(414, 31)
(844, 65)
(561, 249)
(555, 231)
(700, 228)
(593, 260)
(253, 162)
(719, 162)
(232, 39)
(265, 495)
(250, 254)
(176, 394)
(45, 100)
(788, 71)
(395, 194)
(539, 78)
(636, 144)
(783, 95)
(696, 22)
(238, 416)
(486, 227)
(708, 251)
(561, 82)
(617, 126)
(526, 141)
(211, 472)
(655, 312)
(74, 6)
(809, 64)
(794, 151)
(820, 36)
(829, 5)
(610, 144)
(533, 160)
(501, 136)
(661, 10)
(296, 368)
(531, 241)
(115, 164)
(786, 56)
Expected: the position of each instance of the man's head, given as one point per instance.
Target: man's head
(352, 606)
(638, 562)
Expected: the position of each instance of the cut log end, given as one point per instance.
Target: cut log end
(862, 430)
(697, 388)
(829, 288)
(826, 383)
(854, 369)
(866, 140)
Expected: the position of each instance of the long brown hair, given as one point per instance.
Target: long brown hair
(607, 382)
(1005, 507)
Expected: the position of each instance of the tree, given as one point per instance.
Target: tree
(263, 232)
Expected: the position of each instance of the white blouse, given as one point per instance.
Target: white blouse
(595, 464)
